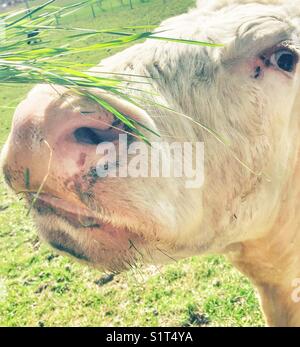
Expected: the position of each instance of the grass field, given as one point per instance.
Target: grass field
(39, 288)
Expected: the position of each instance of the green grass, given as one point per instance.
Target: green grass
(44, 289)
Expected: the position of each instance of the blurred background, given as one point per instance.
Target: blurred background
(40, 288)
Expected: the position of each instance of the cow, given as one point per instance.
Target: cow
(241, 100)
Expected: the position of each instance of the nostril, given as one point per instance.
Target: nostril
(92, 136)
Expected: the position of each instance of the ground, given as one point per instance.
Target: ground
(40, 288)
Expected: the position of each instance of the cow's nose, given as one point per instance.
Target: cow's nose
(57, 139)
(96, 135)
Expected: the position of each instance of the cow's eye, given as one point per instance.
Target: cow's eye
(285, 60)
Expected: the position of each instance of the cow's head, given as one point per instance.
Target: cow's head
(240, 100)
